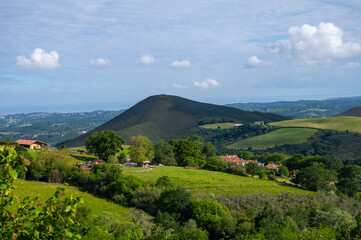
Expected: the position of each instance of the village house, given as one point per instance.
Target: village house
(237, 160)
(273, 166)
(32, 144)
(259, 123)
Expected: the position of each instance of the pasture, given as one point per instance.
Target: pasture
(45, 190)
(351, 124)
(203, 182)
(278, 137)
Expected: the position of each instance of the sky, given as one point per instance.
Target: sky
(66, 56)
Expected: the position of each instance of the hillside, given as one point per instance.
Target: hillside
(351, 124)
(45, 190)
(203, 182)
(303, 108)
(166, 117)
(279, 137)
(353, 112)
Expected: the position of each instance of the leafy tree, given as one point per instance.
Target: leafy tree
(189, 153)
(141, 149)
(334, 218)
(122, 158)
(208, 214)
(349, 180)
(283, 171)
(164, 181)
(209, 150)
(54, 220)
(315, 177)
(164, 154)
(103, 144)
(176, 201)
(252, 168)
(214, 164)
(245, 155)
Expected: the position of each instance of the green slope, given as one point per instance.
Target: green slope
(352, 124)
(164, 117)
(279, 137)
(218, 125)
(202, 182)
(45, 190)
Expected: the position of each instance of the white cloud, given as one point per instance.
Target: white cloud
(181, 64)
(316, 44)
(207, 83)
(352, 65)
(145, 60)
(99, 62)
(175, 85)
(254, 61)
(39, 59)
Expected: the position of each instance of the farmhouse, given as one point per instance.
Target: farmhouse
(32, 144)
(273, 166)
(259, 122)
(237, 160)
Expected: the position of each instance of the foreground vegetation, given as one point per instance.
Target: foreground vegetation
(351, 124)
(279, 137)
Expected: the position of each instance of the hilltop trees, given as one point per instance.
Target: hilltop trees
(103, 144)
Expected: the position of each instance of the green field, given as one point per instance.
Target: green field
(45, 190)
(218, 125)
(352, 124)
(279, 137)
(203, 182)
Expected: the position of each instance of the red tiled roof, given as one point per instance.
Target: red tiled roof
(28, 142)
(272, 166)
(236, 159)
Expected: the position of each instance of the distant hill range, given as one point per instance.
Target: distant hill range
(303, 108)
(163, 117)
(353, 112)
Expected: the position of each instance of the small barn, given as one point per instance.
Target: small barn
(32, 144)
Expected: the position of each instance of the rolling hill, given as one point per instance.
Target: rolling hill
(163, 117)
(351, 124)
(353, 112)
(279, 137)
(203, 182)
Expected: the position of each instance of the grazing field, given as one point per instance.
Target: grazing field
(352, 124)
(218, 125)
(279, 137)
(45, 190)
(203, 182)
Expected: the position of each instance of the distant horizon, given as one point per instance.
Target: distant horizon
(117, 106)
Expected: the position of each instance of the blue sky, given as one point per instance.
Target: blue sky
(88, 55)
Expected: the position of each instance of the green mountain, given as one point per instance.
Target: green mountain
(163, 117)
(353, 112)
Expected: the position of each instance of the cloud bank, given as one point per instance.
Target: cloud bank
(99, 62)
(39, 59)
(181, 64)
(254, 62)
(145, 60)
(316, 44)
(207, 83)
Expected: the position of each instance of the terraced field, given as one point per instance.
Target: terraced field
(352, 124)
(202, 182)
(45, 190)
(279, 137)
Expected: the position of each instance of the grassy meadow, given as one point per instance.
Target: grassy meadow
(218, 125)
(45, 190)
(279, 137)
(352, 124)
(203, 182)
